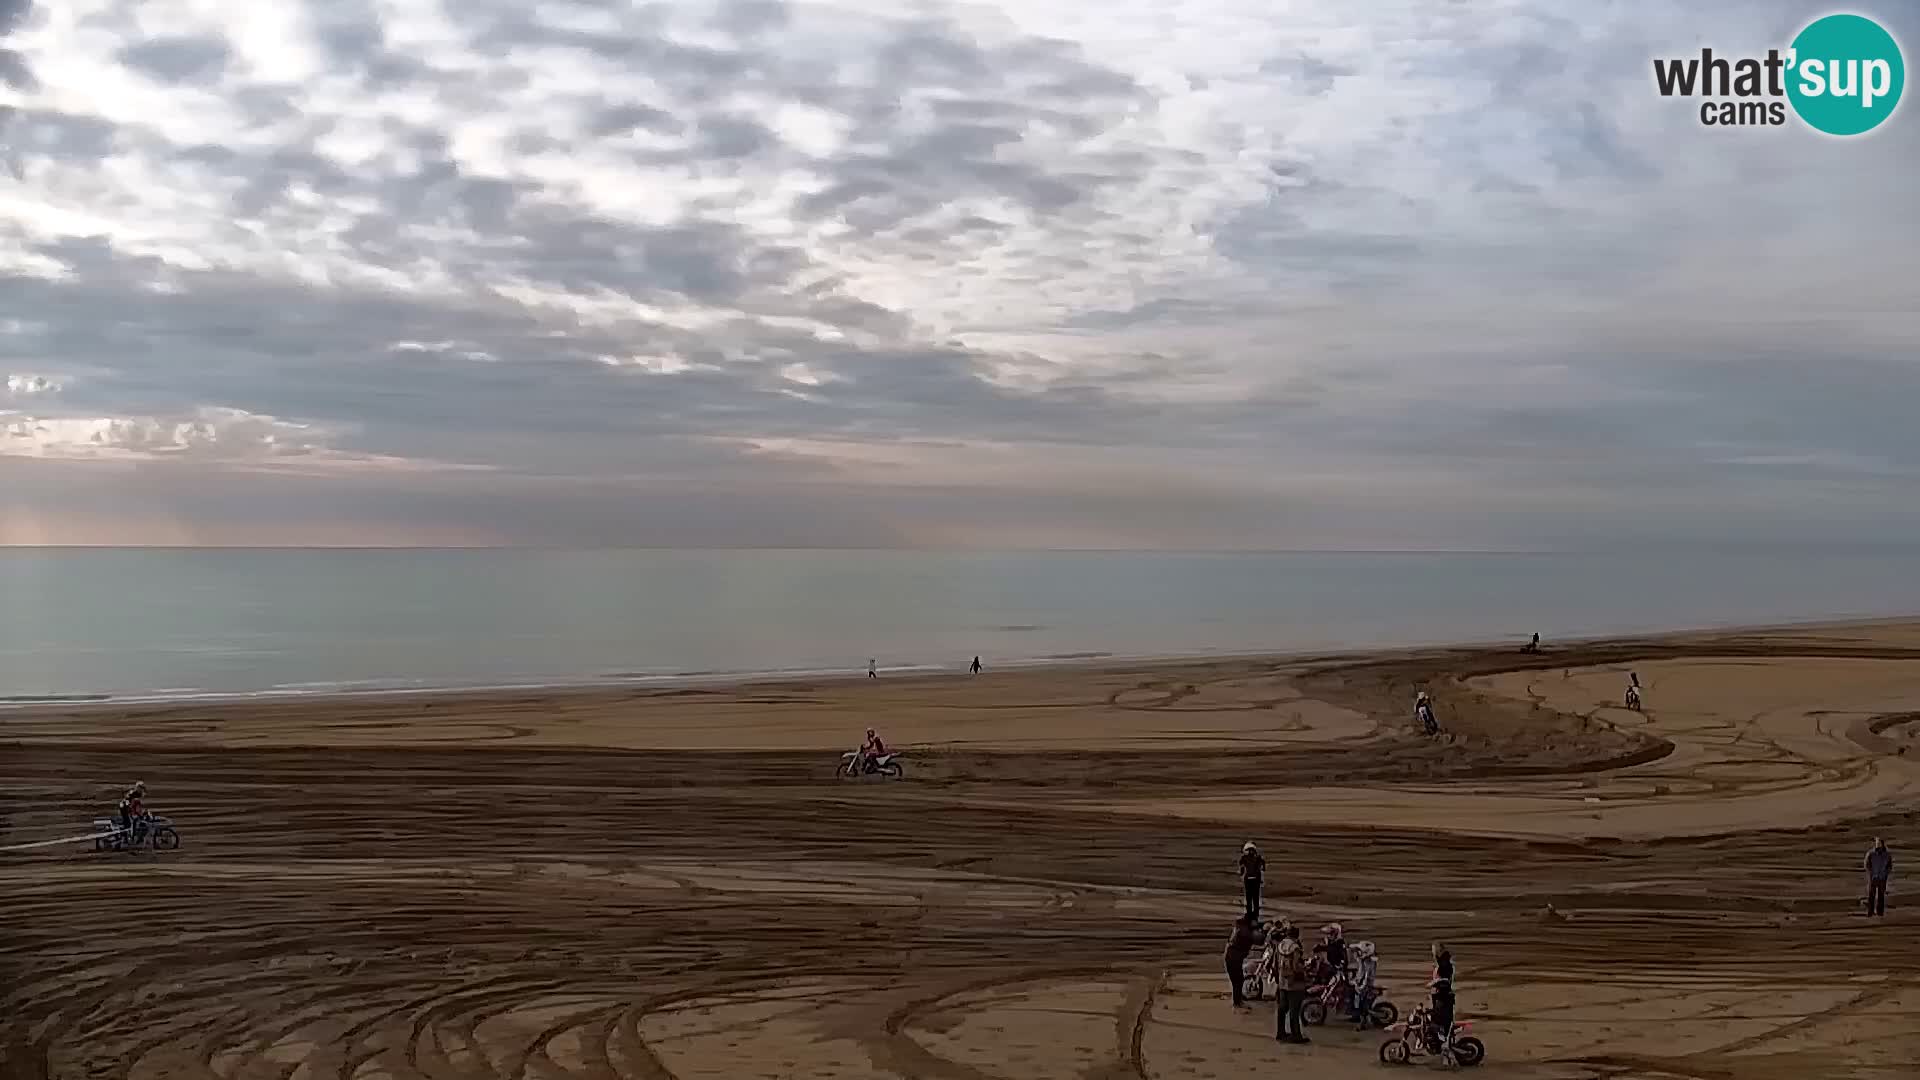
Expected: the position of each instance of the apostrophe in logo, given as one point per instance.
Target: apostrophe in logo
(1842, 74)
(1847, 74)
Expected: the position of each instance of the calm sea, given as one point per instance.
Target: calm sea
(186, 622)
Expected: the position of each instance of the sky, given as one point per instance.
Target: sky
(1222, 274)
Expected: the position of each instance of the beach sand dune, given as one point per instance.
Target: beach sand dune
(669, 883)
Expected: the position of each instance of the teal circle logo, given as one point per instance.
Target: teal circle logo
(1847, 74)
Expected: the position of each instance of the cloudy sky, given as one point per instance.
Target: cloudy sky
(1214, 274)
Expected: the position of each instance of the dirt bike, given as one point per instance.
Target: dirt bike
(883, 764)
(1633, 698)
(1336, 998)
(1409, 1039)
(150, 830)
(1262, 970)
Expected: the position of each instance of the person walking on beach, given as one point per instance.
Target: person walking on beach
(1293, 991)
(1253, 868)
(976, 666)
(1879, 865)
(1239, 947)
(872, 671)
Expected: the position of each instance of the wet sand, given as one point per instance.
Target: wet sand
(671, 883)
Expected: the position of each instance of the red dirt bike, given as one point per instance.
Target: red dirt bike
(1411, 1038)
(1335, 997)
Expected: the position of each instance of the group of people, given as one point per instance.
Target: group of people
(1295, 972)
(1353, 970)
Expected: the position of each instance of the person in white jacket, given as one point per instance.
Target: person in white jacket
(1366, 968)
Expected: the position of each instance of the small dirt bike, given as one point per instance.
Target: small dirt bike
(882, 765)
(150, 830)
(1410, 1039)
(1336, 999)
(1262, 971)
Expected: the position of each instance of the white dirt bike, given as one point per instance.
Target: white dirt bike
(887, 765)
(150, 831)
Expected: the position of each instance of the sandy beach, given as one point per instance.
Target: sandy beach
(671, 883)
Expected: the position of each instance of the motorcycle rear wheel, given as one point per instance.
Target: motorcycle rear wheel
(1384, 1013)
(1469, 1051)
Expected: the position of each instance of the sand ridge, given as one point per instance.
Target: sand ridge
(581, 885)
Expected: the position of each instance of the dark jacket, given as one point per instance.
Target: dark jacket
(1240, 944)
(1252, 865)
(1879, 863)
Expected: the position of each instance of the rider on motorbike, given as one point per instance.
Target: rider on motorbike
(1440, 1009)
(132, 810)
(871, 751)
(1336, 947)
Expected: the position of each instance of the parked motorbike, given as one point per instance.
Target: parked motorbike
(1335, 998)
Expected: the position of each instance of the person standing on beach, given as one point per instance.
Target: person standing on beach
(1239, 947)
(976, 666)
(1293, 991)
(872, 671)
(1253, 868)
(1879, 865)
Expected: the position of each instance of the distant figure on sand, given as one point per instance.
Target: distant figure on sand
(1879, 866)
(1239, 947)
(976, 666)
(872, 672)
(1253, 868)
(1423, 712)
(1532, 646)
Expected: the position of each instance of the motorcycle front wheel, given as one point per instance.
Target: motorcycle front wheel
(1469, 1051)
(165, 839)
(894, 770)
(1394, 1052)
(1314, 1012)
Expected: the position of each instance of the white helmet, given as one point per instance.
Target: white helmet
(1248, 846)
(1422, 696)
(1363, 950)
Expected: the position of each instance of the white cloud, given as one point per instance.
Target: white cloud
(24, 385)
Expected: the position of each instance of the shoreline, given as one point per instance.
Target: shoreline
(1089, 663)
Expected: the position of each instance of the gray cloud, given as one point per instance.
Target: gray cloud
(178, 59)
(14, 70)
